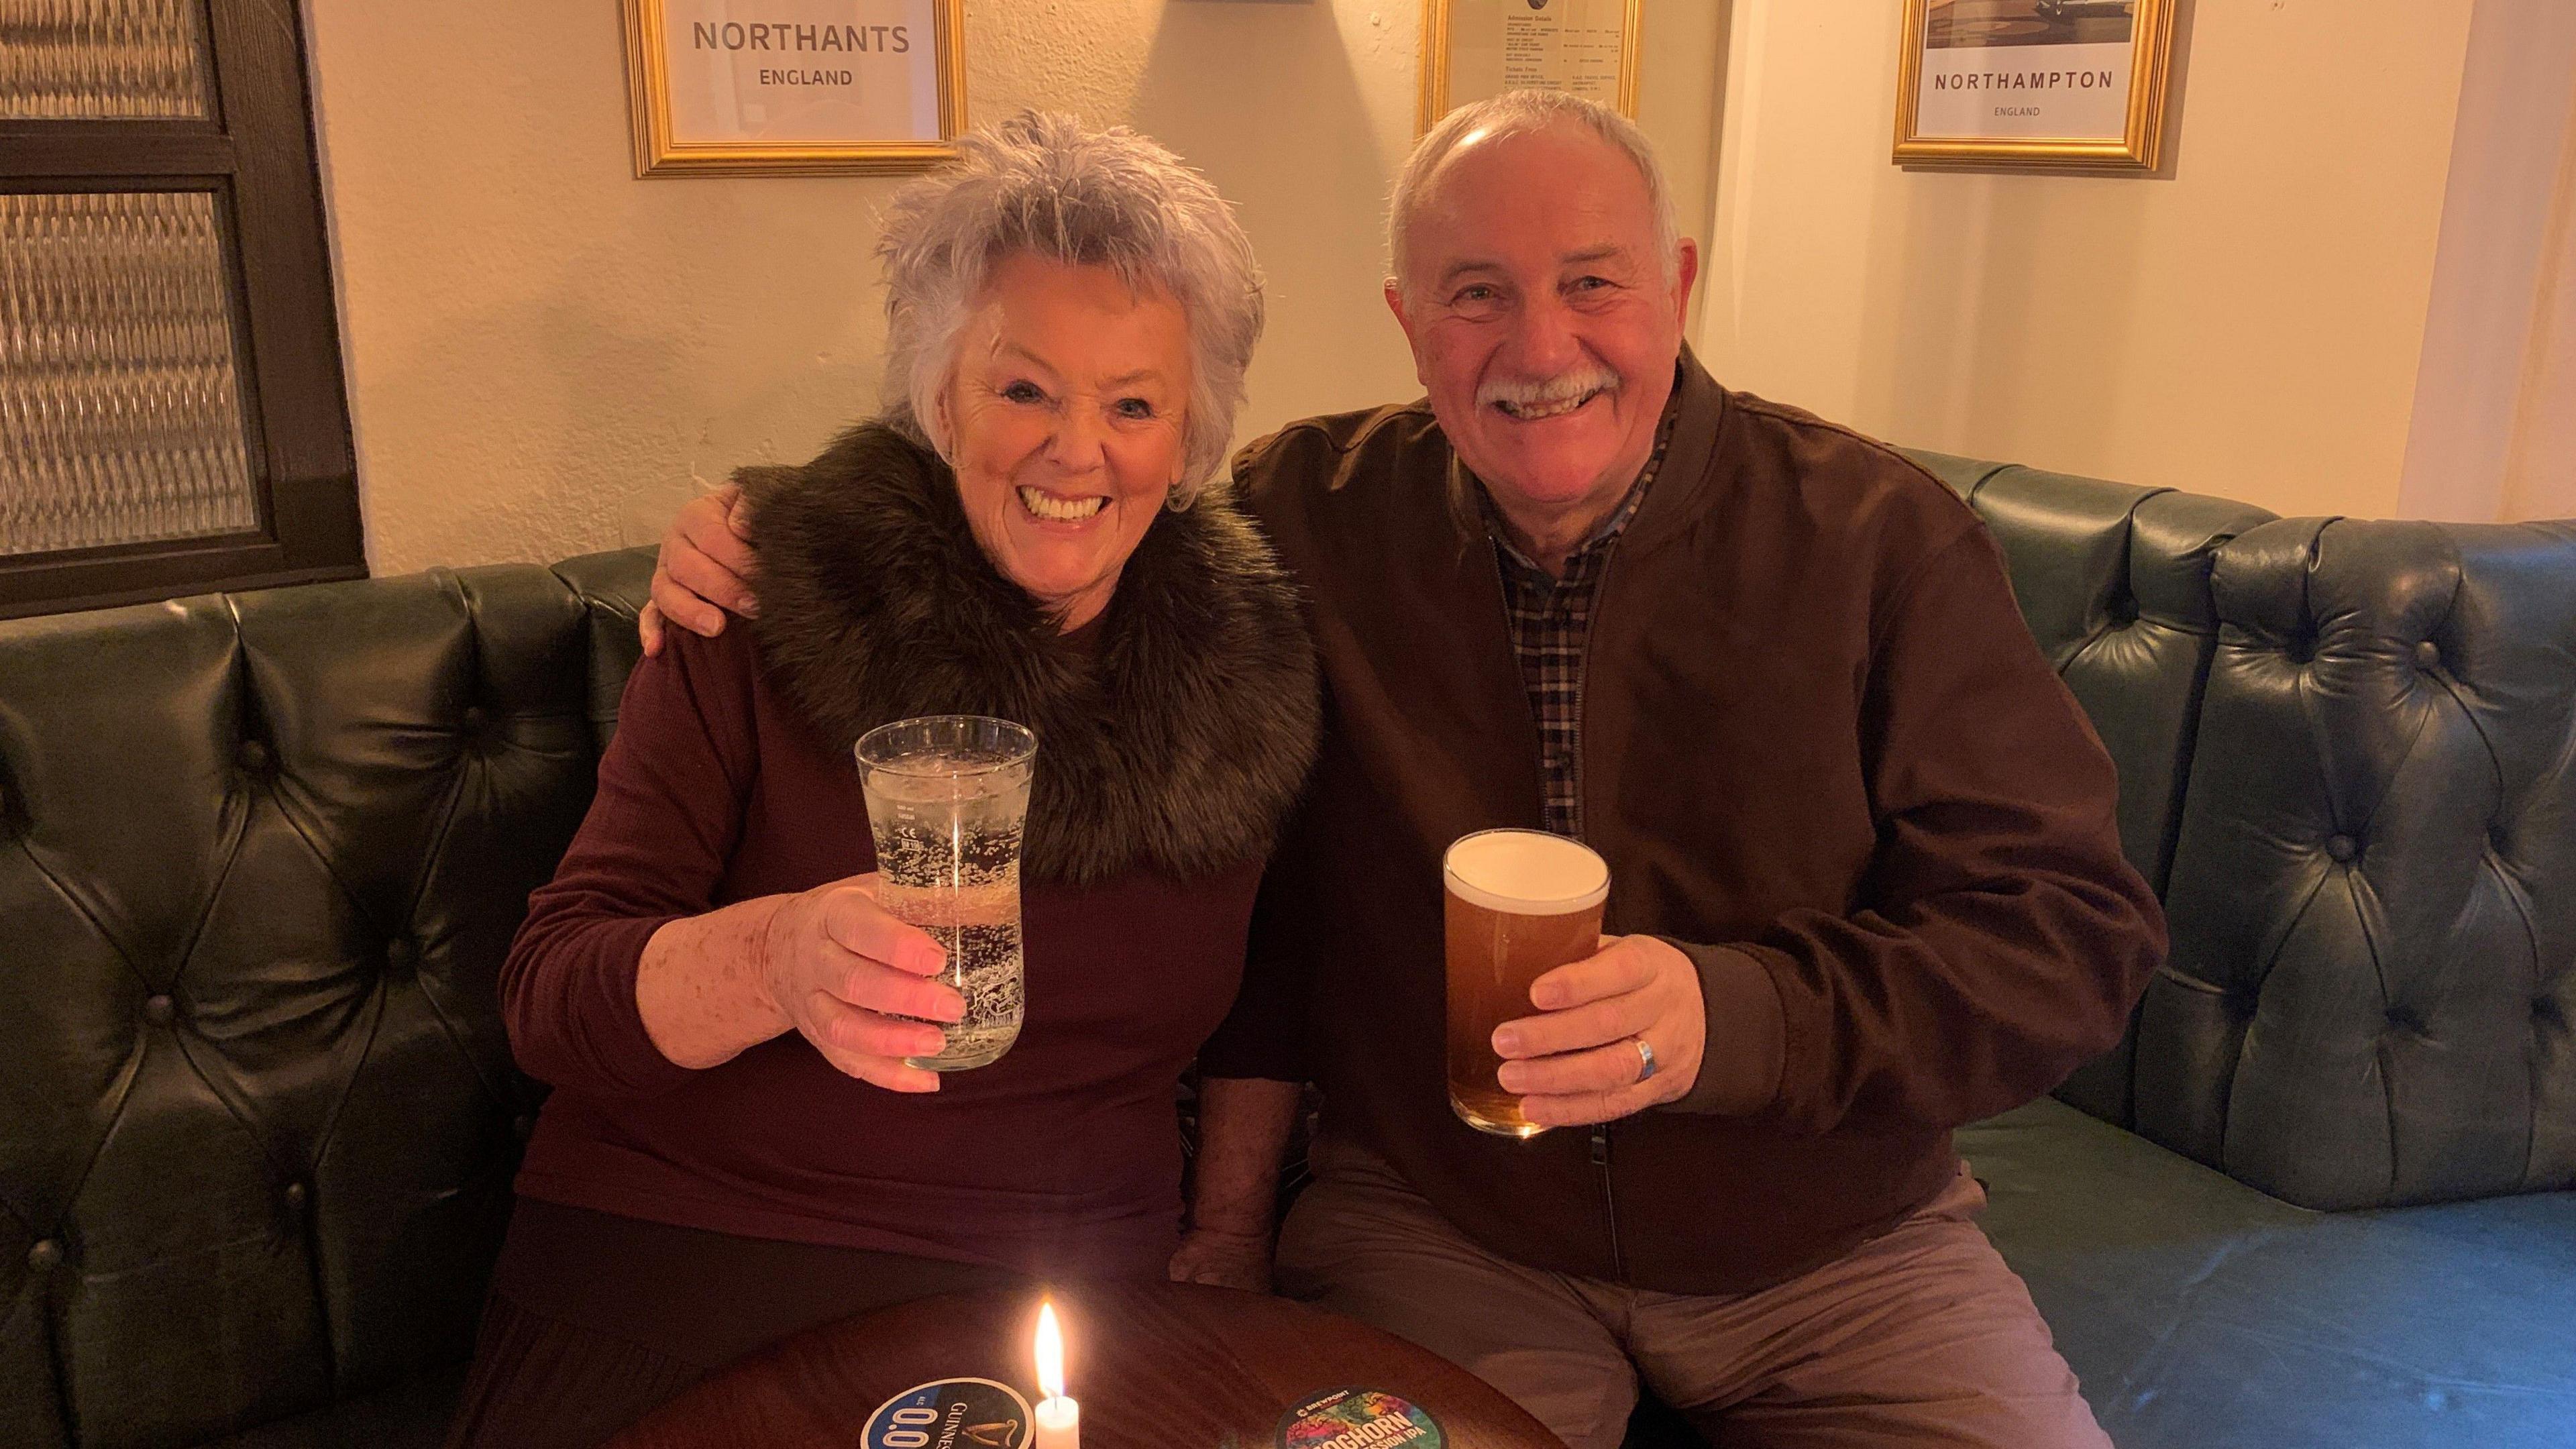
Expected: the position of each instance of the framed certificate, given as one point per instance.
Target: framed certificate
(795, 87)
(2034, 83)
(1472, 49)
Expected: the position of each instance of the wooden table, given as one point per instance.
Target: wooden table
(1154, 1366)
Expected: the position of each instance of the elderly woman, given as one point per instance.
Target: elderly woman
(735, 1147)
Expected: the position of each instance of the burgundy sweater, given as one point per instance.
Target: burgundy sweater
(1062, 1158)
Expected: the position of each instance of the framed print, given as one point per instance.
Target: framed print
(794, 87)
(1472, 49)
(2036, 83)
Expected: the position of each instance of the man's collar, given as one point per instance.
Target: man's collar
(1685, 476)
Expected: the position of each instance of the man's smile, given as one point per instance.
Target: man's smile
(1536, 412)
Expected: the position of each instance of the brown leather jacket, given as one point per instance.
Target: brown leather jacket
(1820, 752)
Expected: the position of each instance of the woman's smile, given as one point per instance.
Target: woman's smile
(1070, 512)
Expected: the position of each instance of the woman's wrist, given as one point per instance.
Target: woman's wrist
(703, 985)
(768, 947)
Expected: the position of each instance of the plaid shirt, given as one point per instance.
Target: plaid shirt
(1551, 625)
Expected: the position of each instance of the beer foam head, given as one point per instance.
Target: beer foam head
(1529, 872)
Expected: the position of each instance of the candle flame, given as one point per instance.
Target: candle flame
(1050, 1353)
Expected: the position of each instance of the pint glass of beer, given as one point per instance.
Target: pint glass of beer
(1521, 903)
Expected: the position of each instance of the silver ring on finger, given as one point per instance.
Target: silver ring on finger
(1645, 1058)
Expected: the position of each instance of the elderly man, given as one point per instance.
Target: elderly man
(1863, 861)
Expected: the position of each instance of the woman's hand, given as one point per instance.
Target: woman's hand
(840, 969)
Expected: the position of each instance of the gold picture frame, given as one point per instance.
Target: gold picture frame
(2030, 97)
(1431, 101)
(661, 151)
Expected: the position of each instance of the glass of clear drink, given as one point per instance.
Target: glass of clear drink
(1520, 904)
(948, 799)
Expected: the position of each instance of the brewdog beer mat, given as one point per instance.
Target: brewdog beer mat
(951, 1414)
(1358, 1418)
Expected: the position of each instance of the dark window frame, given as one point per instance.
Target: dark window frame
(255, 152)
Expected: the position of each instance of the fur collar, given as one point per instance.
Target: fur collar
(1176, 743)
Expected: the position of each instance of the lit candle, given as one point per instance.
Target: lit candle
(1059, 1417)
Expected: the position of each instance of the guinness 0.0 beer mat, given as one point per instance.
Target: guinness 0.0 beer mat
(951, 1414)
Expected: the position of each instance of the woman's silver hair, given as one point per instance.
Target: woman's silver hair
(1048, 186)
(1511, 113)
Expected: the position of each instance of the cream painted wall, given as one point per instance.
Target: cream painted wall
(546, 355)
(534, 339)
(2540, 472)
(2248, 324)
(2478, 438)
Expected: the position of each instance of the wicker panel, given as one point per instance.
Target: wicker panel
(97, 60)
(120, 412)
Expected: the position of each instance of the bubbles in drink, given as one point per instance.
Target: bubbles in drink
(947, 824)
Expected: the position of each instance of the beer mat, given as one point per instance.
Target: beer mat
(950, 1414)
(1358, 1418)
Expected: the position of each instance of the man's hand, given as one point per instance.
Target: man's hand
(1577, 1061)
(705, 559)
(1223, 1260)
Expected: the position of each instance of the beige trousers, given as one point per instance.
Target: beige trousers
(1919, 1336)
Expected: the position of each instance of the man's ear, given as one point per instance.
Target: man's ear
(1404, 319)
(1685, 272)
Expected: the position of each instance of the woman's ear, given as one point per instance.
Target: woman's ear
(941, 427)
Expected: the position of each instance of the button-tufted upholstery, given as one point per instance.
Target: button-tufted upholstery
(260, 857)
(2113, 581)
(2374, 894)
(2369, 997)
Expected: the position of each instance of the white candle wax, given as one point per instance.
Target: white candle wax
(1059, 1423)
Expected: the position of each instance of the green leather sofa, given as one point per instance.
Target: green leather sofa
(260, 856)
(2321, 1195)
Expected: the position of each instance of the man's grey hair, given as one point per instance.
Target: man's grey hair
(1512, 113)
(1048, 186)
